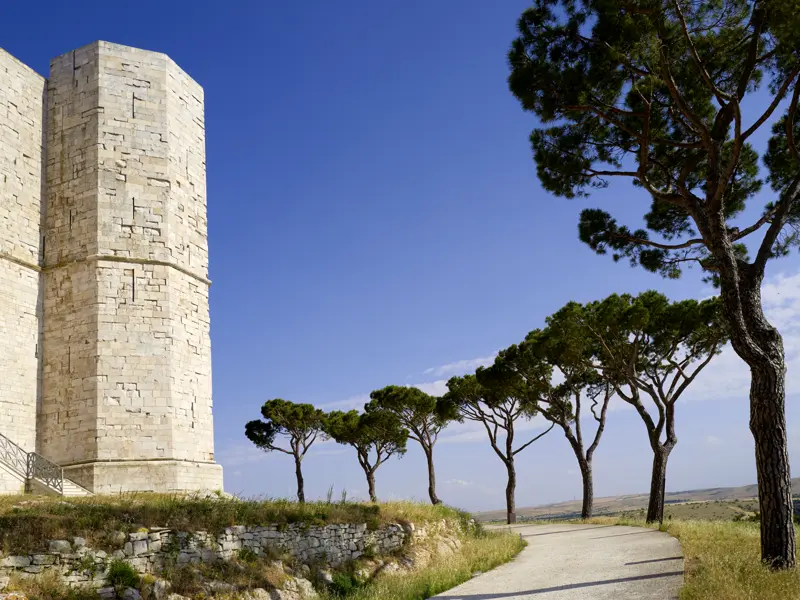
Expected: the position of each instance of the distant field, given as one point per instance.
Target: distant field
(713, 503)
(717, 510)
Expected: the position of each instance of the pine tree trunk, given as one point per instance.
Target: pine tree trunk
(511, 505)
(371, 484)
(760, 345)
(301, 494)
(655, 508)
(588, 489)
(431, 477)
(768, 426)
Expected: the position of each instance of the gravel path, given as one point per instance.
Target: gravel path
(583, 562)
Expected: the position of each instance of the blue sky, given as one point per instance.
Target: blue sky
(375, 219)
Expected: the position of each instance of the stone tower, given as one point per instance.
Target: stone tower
(125, 382)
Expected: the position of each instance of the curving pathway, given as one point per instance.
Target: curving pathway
(583, 562)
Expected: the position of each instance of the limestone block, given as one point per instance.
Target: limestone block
(131, 594)
(60, 546)
(140, 547)
(16, 561)
(34, 569)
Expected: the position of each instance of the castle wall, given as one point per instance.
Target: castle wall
(21, 122)
(128, 152)
(105, 359)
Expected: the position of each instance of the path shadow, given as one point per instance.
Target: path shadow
(603, 537)
(559, 588)
(655, 560)
(572, 530)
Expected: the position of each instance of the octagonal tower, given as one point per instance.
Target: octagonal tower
(126, 376)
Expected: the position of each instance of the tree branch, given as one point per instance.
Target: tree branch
(680, 101)
(757, 19)
(595, 173)
(521, 448)
(755, 226)
(601, 422)
(307, 443)
(736, 152)
(632, 132)
(782, 209)
(279, 449)
(642, 242)
(689, 379)
(773, 105)
(721, 96)
(791, 119)
(493, 442)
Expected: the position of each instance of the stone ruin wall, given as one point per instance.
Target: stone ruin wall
(150, 551)
(123, 328)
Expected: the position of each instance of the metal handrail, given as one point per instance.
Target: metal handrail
(46, 471)
(31, 465)
(13, 456)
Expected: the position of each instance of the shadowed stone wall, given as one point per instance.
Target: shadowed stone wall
(21, 154)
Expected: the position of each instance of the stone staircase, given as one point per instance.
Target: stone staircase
(34, 473)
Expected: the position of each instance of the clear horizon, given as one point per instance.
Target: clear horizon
(375, 219)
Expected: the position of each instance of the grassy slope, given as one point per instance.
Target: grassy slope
(723, 561)
(27, 523)
(478, 553)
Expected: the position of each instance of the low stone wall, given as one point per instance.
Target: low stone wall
(149, 551)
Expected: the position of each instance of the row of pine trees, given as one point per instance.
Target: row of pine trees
(643, 350)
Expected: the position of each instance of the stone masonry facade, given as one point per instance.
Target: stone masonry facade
(104, 322)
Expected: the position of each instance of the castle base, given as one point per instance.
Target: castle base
(146, 476)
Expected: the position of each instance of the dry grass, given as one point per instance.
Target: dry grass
(49, 586)
(723, 561)
(190, 580)
(478, 553)
(27, 523)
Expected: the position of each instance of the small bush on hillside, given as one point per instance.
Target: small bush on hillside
(344, 584)
(247, 555)
(122, 575)
(754, 518)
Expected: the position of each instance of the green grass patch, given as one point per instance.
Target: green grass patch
(122, 575)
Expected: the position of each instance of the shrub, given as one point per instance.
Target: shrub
(247, 555)
(122, 575)
(344, 584)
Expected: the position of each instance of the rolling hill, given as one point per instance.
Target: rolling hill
(617, 504)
